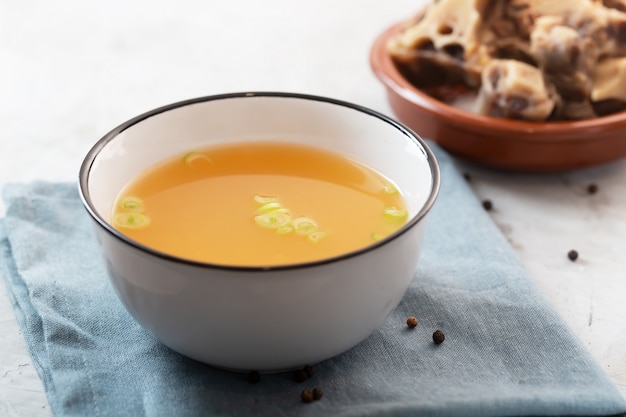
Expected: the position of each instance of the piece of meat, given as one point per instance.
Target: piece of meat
(574, 110)
(606, 107)
(429, 69)
(446, 25)
(615, 4)
(606, 27)
(514, 90)
(566, 57)
(615, 27)
(446, 37)
(513, 19)
(610, 80)
(511, 48)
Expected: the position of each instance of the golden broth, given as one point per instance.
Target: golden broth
(258, 204)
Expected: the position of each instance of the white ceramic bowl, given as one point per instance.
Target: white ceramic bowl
(251, 318)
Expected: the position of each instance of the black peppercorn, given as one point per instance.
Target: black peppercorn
(300, 375)
(309, 370)
(438, 337)
(572, 255)
(317, 393)
(306, 395)
(487, 205)
(467, 176)
(592, 188)
(254, 377)
(411, 322)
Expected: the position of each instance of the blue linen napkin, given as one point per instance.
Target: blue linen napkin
(506, 352)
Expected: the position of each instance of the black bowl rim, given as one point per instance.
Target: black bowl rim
(85, 169)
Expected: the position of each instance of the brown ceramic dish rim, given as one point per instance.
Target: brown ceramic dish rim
(555, 132)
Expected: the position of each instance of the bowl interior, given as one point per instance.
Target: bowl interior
(352, 131)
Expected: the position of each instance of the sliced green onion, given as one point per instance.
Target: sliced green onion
(131, 220)
(393, 213)
(390, 189)
(272, 215)
(192, 157)
(304, 225)
(316, 236)
(375, 236)
(272, 219)
(264, 199)
(273, 206)
(285, 230)
(131, 203)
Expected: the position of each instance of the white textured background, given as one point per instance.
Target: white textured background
(71, 70)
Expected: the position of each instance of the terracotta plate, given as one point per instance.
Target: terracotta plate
(501, 143)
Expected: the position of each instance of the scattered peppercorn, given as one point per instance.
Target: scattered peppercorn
(572, 255)
(487, 205)
(467, 176)
(411, 322)
(592, 188)
(438, 337)
(300, 375)
(309, 370)
(254, 377)
(317, 393)
(306, 395)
